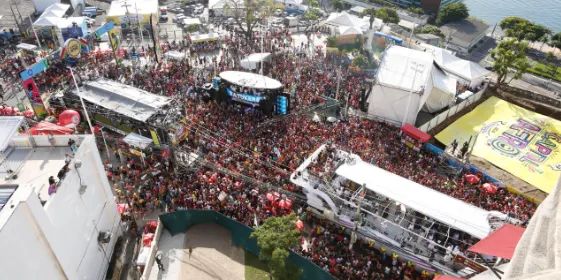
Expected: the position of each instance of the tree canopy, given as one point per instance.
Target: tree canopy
(416, 10)
(338, 5)
(523, 29)
(510, 59)
(360, 61)
(371, 13)
(387, 15)
(452, 13)
(248, 13)
(275, 238)
(556, 40)
(431, 29)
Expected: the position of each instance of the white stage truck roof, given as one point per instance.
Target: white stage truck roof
(250, 80)
(123, 99)
(432, 203)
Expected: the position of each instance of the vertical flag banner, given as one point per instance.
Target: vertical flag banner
(104, 29)
(156, 37)
(34, 97)
(114, 40)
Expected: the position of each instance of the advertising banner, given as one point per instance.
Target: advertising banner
(34, 97)
(522, 142)
(156, 37)
(114, 39)
(244, 98)
(34, 70)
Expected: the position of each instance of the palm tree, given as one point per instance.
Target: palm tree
(544, 40)
(370, 12)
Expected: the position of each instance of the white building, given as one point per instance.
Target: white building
(70, 234)
(407, 82)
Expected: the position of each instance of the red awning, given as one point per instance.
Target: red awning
(415, 133)
(501, 243)
(446, 277)
(43, 128)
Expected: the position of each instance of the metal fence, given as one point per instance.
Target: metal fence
(453, 110)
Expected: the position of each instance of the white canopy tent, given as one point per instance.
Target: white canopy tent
(195, 38)
(349, 30)
(336, 20)
(51, 15)
(434, 204)
(466, 71)
(250, 80)
(443, 91)
(402, 72)
(252, 61)
(191, 21)
(137, 140)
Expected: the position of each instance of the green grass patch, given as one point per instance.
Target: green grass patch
(254, 268)
(545, 71)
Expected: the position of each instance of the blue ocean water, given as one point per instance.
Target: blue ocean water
(545, 12)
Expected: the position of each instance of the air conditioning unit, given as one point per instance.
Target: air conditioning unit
(104, 237)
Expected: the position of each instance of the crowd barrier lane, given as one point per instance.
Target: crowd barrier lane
(181, 221)
(435, 150)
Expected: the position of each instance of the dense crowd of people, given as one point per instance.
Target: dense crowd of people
(245, 142)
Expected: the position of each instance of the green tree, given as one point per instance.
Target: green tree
(313, 13)
(248, 13)
(416, 10)
(192, 28)
(510, 59)
(551, 65)
(360, 61)
(544, 40)
(452, 13)
(523, 29)
(430, 29)
(371, 13)
(331, 42)
(556, 40)
(387, 15)
(338, 5)
(275, 238)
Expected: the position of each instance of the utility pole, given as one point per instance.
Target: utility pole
(35, 33)
(358, 218)
(139, 26)
(21, 31)
(338, 83)
(128, 22)
(81, 99)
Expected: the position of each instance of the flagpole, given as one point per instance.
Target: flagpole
(35, 33)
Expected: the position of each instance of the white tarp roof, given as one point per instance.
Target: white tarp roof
(251, 61)
(51, 15)
(346, 19)
(538, 253)
(26, 46)
(191, 21)
(67, 22)
(137, 140)
(397, 68)
(8, 129)
(349, 30)
(429, 202)
(141, 7)
(124, 99)
(250, 80)
(174, 55)
(443, 91)
(464, 69)
(204, 37)
(219, 4)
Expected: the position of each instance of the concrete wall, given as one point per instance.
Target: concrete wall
(68, 225)
(25, 251)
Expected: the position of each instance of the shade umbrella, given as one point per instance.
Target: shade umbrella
(285, 203)
(490, 188)
(299, 225)
(472, 179)
(273, 196)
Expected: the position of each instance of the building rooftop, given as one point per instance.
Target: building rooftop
(428, 36)
(36, 166)
(463, 32)
(124, 99)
